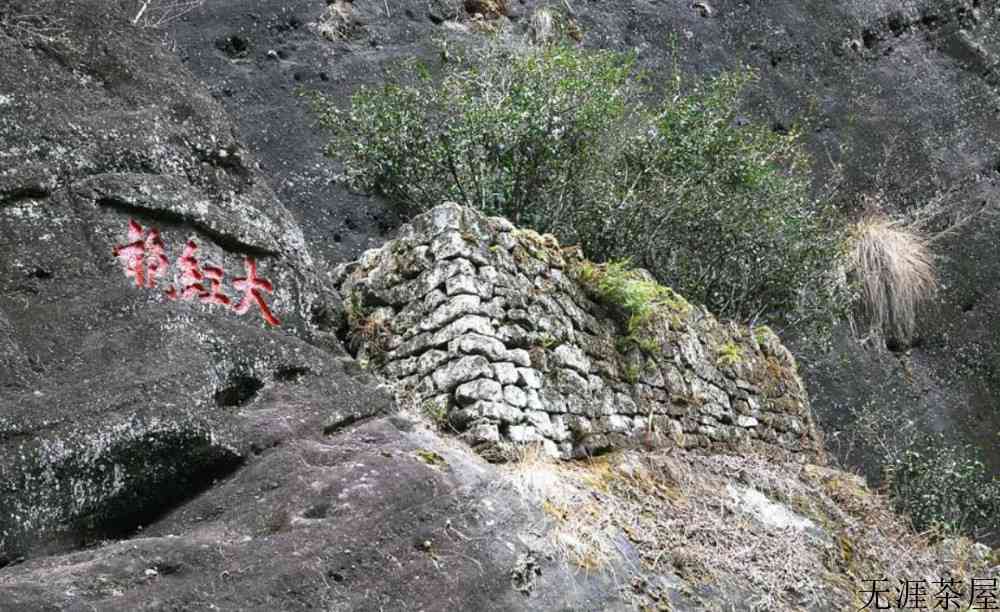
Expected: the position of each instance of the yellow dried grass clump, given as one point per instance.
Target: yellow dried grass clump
(543, 27)
(335, 24)
(491, 9)
(895, 269)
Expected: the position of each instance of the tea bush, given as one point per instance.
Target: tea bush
(945, 487)
(557, 138)
(941, 485)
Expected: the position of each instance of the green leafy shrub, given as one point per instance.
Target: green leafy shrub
(557, 138)
(721, 211)
(514, 134)
(941, 485)
(945, 487)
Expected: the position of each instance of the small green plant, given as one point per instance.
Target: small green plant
(762, 334)
(648, 344)
(436, 412)
(430, 457)
(623, 344)
(365, 330)
(730, 354)
(632, 373)
(641, 299)
(547, 341)
(941, 485)
(619, 283)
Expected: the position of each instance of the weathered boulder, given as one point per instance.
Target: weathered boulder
(523, 333)
(386, 514)
(116, 402)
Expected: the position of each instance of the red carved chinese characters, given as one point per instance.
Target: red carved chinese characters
(251, 286)
(191, 275)
(145, 260)
(215, 295)
(144, 246)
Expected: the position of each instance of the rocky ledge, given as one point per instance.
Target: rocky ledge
(506, 336)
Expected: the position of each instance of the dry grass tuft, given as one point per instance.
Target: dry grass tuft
(336, 22)
(368, 330)
(543, 27)
(548, 27)
(490, 9)
(895, 269)
(582, 532)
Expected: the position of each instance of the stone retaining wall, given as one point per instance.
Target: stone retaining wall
(490, 328)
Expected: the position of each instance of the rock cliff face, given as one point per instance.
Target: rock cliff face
(170, 455)
(495, 328)
(116, 402)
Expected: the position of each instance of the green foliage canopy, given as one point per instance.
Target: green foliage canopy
(557, 139)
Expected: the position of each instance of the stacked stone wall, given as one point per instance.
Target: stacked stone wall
(490, 328)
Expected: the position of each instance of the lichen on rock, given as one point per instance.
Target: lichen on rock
(522, 340)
